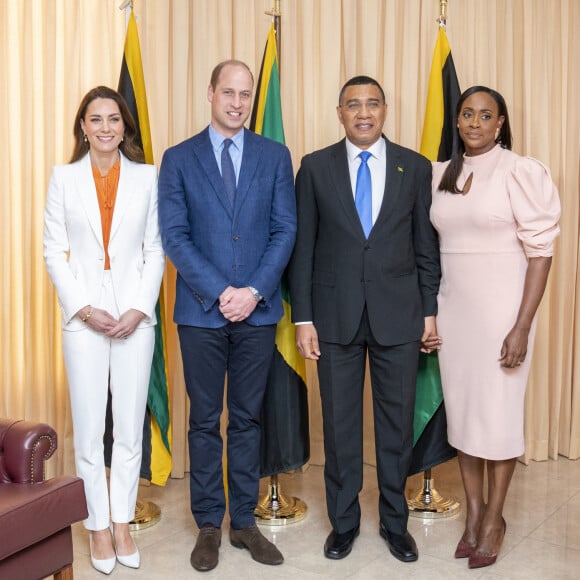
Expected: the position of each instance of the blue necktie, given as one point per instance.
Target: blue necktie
(363, 197)
(228, 172)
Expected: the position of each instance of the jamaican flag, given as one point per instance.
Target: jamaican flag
(430, 446)
(285, 436)
(156, 460)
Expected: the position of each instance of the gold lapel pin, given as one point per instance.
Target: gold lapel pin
(400, 169)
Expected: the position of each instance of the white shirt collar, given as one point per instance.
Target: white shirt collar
(378, 149)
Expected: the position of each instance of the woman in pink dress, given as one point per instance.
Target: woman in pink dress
(497, 217)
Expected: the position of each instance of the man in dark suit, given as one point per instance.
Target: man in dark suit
(228, 223)
(364, 278)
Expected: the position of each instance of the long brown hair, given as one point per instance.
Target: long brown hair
(453, 170)
(128, 146)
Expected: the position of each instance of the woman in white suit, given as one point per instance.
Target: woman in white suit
(104, 256)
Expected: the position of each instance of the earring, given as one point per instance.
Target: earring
(85, 139)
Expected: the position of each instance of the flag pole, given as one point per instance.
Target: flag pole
(147, 513)
(427, 502)
(442, 12)
(276, 16)
(275, 509)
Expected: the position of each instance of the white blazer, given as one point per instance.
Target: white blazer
(73, 240)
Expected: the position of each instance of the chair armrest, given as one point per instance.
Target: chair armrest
(24, 447)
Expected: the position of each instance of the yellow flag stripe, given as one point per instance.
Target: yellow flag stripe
(135, 67)
(435, 110)
(160, 458)
(286, 343)
(270, 57)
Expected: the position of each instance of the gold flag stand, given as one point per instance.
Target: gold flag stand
(428, 503)
(274, 509)
(147, 514)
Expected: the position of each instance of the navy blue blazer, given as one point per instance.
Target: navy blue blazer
(213, 245)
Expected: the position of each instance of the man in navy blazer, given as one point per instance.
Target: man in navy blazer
(365, 285)
(228, 223)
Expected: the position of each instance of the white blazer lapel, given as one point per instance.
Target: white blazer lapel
(125, 192)
(85, 184)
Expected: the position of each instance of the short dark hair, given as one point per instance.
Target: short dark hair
(360, 80)
(215, 74)
(129, 146)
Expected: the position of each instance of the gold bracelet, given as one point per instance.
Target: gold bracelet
(87, 316)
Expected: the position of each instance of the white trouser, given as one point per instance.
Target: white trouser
(93, 360)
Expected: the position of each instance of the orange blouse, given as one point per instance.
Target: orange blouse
(107, 194)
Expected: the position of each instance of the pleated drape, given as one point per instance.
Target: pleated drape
(53, 51)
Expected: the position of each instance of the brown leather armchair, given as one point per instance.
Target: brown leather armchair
(35, 514)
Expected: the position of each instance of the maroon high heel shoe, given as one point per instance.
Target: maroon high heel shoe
(482, 560)
(463, 550)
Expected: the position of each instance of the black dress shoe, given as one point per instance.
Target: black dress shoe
(402, 546)
(339, 546)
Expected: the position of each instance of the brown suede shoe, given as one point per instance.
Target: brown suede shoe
(206, 552)
(261, 549)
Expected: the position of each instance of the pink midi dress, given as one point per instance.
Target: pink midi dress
(486, 237)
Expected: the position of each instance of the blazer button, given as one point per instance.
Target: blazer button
(236, 238)
(233, 266)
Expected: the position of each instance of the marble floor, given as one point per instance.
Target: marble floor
(542, 539)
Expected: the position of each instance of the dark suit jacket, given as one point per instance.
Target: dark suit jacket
(213, 245)
(335, 271)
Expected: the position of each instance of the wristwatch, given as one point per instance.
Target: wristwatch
(257, 296)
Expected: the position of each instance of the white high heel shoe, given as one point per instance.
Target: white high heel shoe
(106, 566)
(132, 560)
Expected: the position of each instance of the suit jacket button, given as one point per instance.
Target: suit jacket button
(236, 238)
(233, 266)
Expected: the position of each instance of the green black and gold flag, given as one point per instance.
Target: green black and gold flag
(430, 447)
(285, 434)
(132, 87)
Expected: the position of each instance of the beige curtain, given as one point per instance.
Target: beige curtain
(53, 51)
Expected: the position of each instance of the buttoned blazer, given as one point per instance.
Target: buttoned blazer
(73, 240)
(214, 245)
(335, 271)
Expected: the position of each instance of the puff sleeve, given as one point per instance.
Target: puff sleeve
(536, 206)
